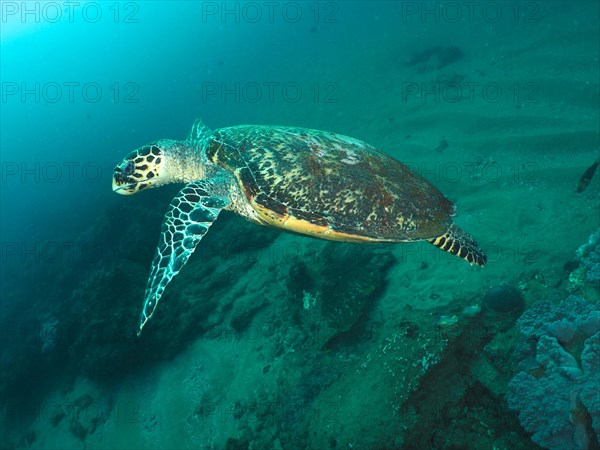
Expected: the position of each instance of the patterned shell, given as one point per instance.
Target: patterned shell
(331, 181)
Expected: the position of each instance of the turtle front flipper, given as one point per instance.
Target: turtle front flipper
(187, 220)
(461, 244)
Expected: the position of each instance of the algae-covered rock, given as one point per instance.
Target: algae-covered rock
(504, 298)
(340, 282)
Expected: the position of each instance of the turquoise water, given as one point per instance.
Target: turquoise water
(274, 340)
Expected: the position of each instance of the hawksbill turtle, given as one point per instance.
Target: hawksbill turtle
(310, 182)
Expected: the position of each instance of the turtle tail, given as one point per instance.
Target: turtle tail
(461, 244)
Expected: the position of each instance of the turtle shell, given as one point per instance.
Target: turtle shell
(329, 185)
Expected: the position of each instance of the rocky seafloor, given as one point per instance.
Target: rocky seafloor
(267, 340)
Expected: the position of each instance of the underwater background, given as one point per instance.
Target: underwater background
(268, 340)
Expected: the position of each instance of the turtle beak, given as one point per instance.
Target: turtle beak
(121, 184)
(123, 189)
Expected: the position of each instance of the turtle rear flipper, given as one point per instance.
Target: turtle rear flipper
(187, 220)
(461, 244)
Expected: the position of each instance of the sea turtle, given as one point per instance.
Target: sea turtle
(310, 182)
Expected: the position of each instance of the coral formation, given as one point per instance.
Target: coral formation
(556, 390)
(589, 255)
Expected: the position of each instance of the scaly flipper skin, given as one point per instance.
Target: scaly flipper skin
(187, 220)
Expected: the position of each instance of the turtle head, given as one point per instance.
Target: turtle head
(141, 169)
(163, 162)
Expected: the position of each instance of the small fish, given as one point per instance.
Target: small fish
(587, 176)
(442, 145)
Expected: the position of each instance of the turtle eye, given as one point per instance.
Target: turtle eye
(128, 169)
